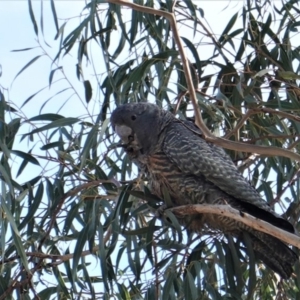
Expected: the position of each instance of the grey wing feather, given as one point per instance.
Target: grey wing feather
(194, 156)
(215, 149)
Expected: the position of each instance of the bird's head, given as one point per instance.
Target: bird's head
(139, 123)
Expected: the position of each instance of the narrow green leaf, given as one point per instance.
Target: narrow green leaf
(102, 257)
(117, 11)
(242, 48)
(139, 72)
(71, 39)
(124, 293)
(42, 17)
(4, 149)
(30, 97)
(91, 138)
(175, 223)
(262, 72)
(194, 51)
(252, 275)
(52, 74)
(190, 291)
(26, 156)
(61, 283)
(33, 207)
(192, 8)
(142, 195)
(266, 26)
(119, 260)
(81, 241)
(16, 235)
(229, 265)
(28, 64)
(195, 256)
(22, 166)
(54, 14)
(52, 145)
(24, 49)
(73, 214)
(6, 178)
(139, 231)
(47, 293)
(3, 125)
(235, 33)
(32, 17)
(88, 90)
(60, 32)
(289, 75)
(120, 47)
(22, 195)
(236, 265)
(55, 124)
(46, 117)
(103, 129)
(88, 281)
(168, 289)
(134, 25)
(149, 240)
(151, 292)
(228, 27)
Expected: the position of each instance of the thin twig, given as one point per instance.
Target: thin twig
(252, 111)
(290, 183)
(56, 258)
(276, 112)
(241, 122)
(273, 136)
(15, 285)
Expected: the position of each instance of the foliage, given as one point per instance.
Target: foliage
(78, 225)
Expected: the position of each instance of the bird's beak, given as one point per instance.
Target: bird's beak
(124, 132)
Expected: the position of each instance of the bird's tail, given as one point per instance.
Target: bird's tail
(274, 253)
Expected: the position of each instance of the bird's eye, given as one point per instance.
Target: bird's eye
(130, 138)
(133, 117)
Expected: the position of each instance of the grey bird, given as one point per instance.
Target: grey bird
(174, 157)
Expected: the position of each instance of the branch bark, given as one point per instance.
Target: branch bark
(262, 150)
(228, 211)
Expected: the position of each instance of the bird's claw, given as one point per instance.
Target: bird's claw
(159, 213)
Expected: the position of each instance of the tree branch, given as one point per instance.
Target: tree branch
(173, 24)
(206, 134)
(262, 150)
(228, 211)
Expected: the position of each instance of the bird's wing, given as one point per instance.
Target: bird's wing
(194, 156)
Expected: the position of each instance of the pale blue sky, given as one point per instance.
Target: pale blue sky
(16, 32)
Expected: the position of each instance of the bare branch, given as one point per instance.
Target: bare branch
(262, 150)
(228, 211)
(276, 112)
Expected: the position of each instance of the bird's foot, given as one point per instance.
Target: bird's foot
(139, 181)
(159, 213)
